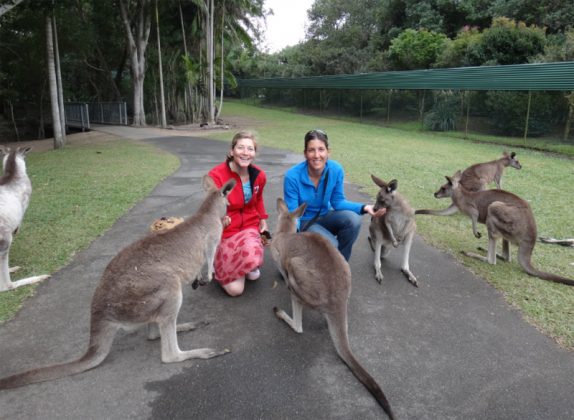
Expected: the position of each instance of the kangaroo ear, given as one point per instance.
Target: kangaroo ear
(512, 155)
(393, 185)
(208, 183)
(300, 210)
(505, 153)
(4, 150)
(228, 186)
(448, 179)
(378, 181)
(23, 150)
(457, 175)
(281, 206)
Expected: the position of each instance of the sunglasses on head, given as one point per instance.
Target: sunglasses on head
(316, 133)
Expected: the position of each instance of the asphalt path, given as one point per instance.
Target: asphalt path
(449, 349)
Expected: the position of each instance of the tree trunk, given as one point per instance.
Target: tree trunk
(189, 87)
(161, 93)
(210, 63)
(56, 125)
(222, 61)
(137, 47)
(59, 78)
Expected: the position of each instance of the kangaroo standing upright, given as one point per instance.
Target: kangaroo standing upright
(396, 226)
(143, 285)
(506, 216)
(477, 177)
(302, 259)
(15, 191)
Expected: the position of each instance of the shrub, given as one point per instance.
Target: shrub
(443, 114)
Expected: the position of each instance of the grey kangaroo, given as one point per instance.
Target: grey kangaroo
(477, 177)
(397, 226)
(143, 285)
(302, 259)
(506, 216)
(15, 191)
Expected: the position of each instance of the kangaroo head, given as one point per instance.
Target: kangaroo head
(514, 162)
(217, 197)
(386, 194)
(287, 221)
(453, 182)
(14, 160)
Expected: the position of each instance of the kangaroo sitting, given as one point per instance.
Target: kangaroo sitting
(396, 226)
(301, 259)
(15, 191)
(477, 177)
(143, 285)
(506, 216)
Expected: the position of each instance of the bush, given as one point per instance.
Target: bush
(443, 113)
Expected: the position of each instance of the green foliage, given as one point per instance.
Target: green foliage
(508, 42)
(458, 52)
(507, 111)
(444, 113)
(416, 49)
(560, 47)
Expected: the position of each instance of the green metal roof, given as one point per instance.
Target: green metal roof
(525, 77)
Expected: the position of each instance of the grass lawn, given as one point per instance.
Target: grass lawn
(419, 161)
(78, 193)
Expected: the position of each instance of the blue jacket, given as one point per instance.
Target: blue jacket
(298, 189)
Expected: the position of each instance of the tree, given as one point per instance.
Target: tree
(416, 49)
(56, 118)
(162, 96)
(137, 39)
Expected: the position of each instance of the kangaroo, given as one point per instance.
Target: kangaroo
(15, 191)
(506, 216)
(396, 226)
(301, 259)
(142, 285)
(477, 177)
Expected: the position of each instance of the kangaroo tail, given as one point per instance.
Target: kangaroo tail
(338, 330)
(524, 258)
(102, 336)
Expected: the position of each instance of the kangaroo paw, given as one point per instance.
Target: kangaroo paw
(410, 277)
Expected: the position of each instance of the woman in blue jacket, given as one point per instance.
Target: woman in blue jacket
(319, 182)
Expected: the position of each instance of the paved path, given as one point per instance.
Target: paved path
(451, 349)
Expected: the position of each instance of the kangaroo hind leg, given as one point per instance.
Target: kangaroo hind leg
(170, 351)
(406, 255)
(295, 322)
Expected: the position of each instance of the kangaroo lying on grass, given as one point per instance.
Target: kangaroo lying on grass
(318, 277)
(143, 285)
(477, 177)
(506, 216)
(396, 226)
(15, 191)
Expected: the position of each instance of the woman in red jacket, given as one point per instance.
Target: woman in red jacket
(240, 253)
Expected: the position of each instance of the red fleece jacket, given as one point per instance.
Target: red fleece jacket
(243, 215)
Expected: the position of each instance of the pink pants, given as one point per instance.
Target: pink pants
(238, 255)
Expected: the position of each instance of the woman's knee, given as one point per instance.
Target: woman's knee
(235, 288)
(353, 219)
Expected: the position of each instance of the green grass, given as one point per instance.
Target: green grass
(78, 193)
(419, 160)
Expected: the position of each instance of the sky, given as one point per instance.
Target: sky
(287, 26)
